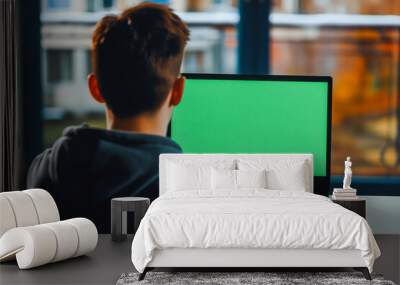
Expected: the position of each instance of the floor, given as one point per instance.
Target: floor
(110, 260)
(103, 266)
(389, 262)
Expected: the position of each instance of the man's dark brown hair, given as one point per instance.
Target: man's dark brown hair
(137, 57)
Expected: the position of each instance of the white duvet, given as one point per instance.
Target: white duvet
(250, 219)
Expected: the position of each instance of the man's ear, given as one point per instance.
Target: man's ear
(177, 91)
(94, 89)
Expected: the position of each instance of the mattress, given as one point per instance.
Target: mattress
(251, 219)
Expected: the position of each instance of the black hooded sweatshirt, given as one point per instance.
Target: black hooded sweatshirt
(87, 167)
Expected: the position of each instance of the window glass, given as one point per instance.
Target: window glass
(107, 3)
(364, 64)
(363, 61)
(66, 41)
(91, 5)
(58, 4)
(88, 63)
(59, 65)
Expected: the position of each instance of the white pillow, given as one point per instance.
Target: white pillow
(187, 177)
(223, 179)
(251, 178)
(284, 174)
(237, 179)
(193, 175)
(290, 179)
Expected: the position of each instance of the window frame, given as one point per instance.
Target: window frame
(371, 185)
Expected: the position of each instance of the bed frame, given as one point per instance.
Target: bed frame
(250, 259)
(259, 259)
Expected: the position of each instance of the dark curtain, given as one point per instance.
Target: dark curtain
(9, 143)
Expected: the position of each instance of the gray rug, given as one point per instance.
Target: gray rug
(269, 278)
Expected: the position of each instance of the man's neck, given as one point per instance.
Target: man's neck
(151, 124)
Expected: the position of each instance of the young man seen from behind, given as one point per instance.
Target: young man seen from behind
(136, 60)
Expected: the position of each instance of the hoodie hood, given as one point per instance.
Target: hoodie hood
(117, 137)
(87, 167)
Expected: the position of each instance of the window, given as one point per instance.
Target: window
(212, 49)
(91, 5)
(88, 62)
(352, 41)
(58, 4)
(363, 60)
(98, 5)
(59, 65)
(107, 3)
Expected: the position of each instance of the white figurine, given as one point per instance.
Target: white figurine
(348, 173)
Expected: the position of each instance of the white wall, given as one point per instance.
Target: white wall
(383, 214)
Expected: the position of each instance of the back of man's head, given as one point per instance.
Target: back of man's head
(137, 57)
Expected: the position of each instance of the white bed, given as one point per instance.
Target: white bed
(201, 220)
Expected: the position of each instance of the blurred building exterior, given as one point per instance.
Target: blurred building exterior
(362, 59)
(368, 7)
(66, 42)
(364, 63)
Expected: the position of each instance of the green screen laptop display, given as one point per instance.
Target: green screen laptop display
(236, 115)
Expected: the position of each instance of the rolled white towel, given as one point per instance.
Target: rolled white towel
(40, 244)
